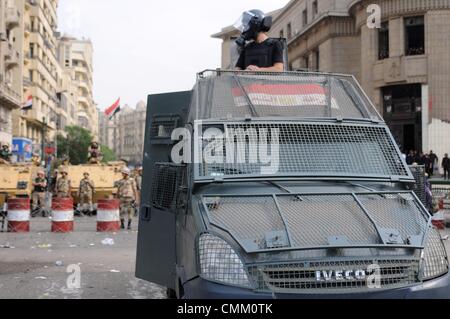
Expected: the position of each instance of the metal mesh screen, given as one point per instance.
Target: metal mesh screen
(303, 278)
(305, 149)
(222, 94)
(163, 126)
(419, 187)
(167, 180)
(435, 256)
(314, 219)
(318, 220)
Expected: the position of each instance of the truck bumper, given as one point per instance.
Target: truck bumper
(203, 289)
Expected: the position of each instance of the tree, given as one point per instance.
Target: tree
(75, 145)
(108, 154)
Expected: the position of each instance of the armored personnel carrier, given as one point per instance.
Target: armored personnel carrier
(281, 185)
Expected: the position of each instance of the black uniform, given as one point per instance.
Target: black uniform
(263, 55)
(446, 167)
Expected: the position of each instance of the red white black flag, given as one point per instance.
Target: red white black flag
(28, 105)
(113, 109)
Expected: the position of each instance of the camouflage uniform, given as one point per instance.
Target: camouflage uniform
(5, 155)
(63, 187)
(126, 193)
(86, 192)
(39, 193)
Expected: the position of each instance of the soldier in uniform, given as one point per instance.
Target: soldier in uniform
(63, 185)
(128, 195)
(138, 180)
(94, 153)
(5, 154)
(86, 192)
(40, 187)
(36, 159)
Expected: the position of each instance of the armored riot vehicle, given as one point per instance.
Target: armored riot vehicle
(281, 185)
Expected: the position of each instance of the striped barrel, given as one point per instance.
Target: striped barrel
(62, 215)
(438, 220)
(18, 215)
(108, 215)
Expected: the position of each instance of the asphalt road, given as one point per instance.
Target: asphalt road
(36, 264)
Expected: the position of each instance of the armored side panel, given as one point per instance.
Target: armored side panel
(156, 251)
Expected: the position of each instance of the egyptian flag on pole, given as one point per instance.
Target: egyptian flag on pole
(113, 109)
(28, 105)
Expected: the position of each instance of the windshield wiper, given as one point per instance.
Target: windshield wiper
(249, 101)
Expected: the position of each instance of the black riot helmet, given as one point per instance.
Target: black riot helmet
(250, 24)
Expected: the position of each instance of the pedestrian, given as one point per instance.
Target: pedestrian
(38, 195)
(86, 192)
(128, 196)
(53, 181)
(259, 52)
(434, 162)
(427, 163)
(446, 166)
(63, 185)
(410, 158)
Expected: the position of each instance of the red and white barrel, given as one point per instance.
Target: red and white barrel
(108, 215)
(438, 220)
(19, 215)
(62, 215)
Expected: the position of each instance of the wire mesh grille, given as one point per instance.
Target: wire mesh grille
(314, 219)
(396, 211)
(250, 218)
(419, 187)
(239, 94)
(304, 277)
(435, 256)
(163, 126)
(304, 149)
(167, 180)
(318, 220)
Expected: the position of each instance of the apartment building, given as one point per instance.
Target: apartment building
(125, 134)
(403, 64)
(76, 59)
(11, 47)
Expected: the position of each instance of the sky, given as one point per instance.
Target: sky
(145, 47)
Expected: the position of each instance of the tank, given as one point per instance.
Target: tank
(16, 181)
(104, 177)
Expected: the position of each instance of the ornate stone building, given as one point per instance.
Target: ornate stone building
(404, 65)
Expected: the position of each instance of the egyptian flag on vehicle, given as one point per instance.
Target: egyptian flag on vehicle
(113, 109)
(283, 95)
(28, 105)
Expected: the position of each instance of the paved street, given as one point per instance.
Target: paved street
(35, 265)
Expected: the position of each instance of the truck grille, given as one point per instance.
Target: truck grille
(302, 277)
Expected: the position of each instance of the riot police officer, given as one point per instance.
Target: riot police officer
(128, 195)
(258, 51)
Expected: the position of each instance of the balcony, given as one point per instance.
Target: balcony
(83, 100)
(12, 57)
(12, 17)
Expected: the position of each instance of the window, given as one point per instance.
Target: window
(306, 62)
(282, 34)
(289, 31)
(305, 17)
(383, 41)
(317, 59)
(415, 36)
(315, 8)
(30, 75)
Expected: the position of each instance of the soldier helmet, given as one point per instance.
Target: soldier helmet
(63, 170)
(139, 169)
(41, 172)
(126, 171)
(86, 173)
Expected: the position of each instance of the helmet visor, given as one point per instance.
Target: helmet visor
(243, 23)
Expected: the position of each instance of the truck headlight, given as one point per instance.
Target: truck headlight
(434, 257)
(220, 263)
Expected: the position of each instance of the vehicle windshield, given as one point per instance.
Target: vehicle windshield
(290, 125)
(237, 95)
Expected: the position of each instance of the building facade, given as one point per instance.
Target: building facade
(76, 59)
(11, 47)
(125, 134)
(403, 64)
